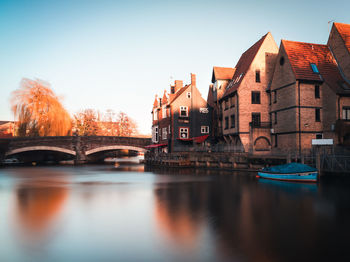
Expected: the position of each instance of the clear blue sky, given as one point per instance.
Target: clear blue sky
(119, 54)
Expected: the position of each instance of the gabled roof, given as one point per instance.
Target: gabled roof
(301, 55)
(165, 98)
(177, 94)
(155, 103)
(222, 73)
(344, 31)
(243, 65)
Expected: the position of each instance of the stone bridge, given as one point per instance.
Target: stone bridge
(79, 147)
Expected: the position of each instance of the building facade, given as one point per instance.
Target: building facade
(219, 81)
(180, 118)
(245, 121)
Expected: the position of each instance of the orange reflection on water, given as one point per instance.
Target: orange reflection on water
(39, 200)
(173, 218)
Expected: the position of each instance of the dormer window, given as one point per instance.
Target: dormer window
(314, 68)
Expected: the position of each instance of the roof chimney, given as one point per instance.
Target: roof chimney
(178, 85)
(193, 80)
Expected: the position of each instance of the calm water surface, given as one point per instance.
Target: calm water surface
(107, 213)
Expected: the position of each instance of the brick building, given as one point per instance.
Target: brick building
(308, 96)
(244, 106)
(180, 118)
(219, 81)
(339, 44)
(7, 129)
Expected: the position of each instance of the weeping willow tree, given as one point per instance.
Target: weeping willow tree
(39, 111)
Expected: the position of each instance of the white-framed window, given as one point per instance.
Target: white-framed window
(155, 134)
(183, 132)
(188, 94)
(183, 111)
(155, 114)
(164, 113)
(204, 110)
(164, 133)
(205, 129)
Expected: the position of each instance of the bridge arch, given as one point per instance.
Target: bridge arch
(39, 148)
(115, 147)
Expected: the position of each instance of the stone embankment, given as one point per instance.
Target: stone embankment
(227, 161)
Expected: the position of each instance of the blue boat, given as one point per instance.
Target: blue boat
(290, 172)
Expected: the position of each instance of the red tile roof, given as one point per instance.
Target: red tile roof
(344, 31)
(301, 55)
(222, 73)
(243, 65)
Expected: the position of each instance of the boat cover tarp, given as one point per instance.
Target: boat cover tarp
(290, 168)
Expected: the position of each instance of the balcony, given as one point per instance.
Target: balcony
(258, 124)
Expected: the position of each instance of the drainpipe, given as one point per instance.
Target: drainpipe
(299, 118)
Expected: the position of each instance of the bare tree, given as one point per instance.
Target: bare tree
(90, 122)
(39, 111)
(86, 123)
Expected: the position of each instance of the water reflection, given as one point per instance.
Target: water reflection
(40, 197)
(107, 213)
(175, 214)
(251, 219)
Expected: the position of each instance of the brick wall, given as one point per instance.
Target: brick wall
(341, 53)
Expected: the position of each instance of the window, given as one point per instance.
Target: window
(282, 61)
(226, 104)
(155, 134)
(188, 94)
(314, 68)
(275, 117)
(164, 133)
(318, 115)
(317, 91)
(205, 129)
(183, 132)
(319, 136)
(274, 96)
(226, 122)
(255, 97)
(257, 76)
(155, 114)
(233, 121)
(255, 119)
(183, 111)
(346, 113)
(164, 113)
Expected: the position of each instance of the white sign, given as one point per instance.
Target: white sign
(204, 110)
(322, 142)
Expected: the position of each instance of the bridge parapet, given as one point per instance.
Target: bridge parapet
(74, 145)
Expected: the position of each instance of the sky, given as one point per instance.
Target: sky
(118, 54)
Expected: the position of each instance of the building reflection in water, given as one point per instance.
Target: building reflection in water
(39, 200)
(257, 220)
(176, 214)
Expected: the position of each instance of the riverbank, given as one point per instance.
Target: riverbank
(233, 161)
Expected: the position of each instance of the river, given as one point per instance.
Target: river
(125, 213)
